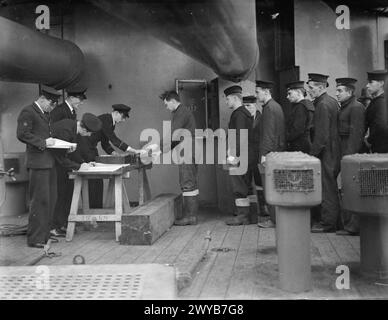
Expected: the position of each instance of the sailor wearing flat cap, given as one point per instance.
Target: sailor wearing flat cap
(107, 137)
(34, 130)
(256, 195)
(67, 130)
(326, 147)
(272, 131)
(351, 118)
(240, 119)
(299, 123)
(68, 109)
(351, 128)
(376, 113)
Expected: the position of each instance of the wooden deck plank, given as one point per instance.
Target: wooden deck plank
(81, 245)
(152, 252)
(219, 277)
(266, 284)
(195, 247)
(170, 253)
(14, 251)
(354, 241)
(217, 238)
(243, 277)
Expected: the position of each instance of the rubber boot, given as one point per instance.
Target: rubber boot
(253, 210)
(261, 204)
(241, 218)
(190, 212)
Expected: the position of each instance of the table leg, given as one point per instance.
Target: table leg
(126, 205)
(85, 196)
(109, 195)
(144, 188)
(118, 204)
(74, 208)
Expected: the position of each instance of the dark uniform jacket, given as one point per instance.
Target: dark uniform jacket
(376, 121)
(240, 119)
(62, 112)
(272, 128)
(299, 126)
(88, 145)
(254, 140)
(182, 118)
(326, 143)
(33, 129)
(66, 129)
(351, 126)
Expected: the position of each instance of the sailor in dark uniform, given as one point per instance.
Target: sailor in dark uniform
(326, 147)
(34, 129)
(255, 196)
(300, 120)
(376, 113)
(351, 128)
(272, 133)
(106, 136)
(183, 120)
(68, 109)
(240, 119)
(67, 130)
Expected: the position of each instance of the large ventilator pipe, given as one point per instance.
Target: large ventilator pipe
(220, 34)
(30, 56)
(365, 192)
(293, 185)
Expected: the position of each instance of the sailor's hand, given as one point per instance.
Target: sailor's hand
(114, 153)
(141, 152)
(50, 142)
(233, 161)
(84, 166)
(72, 149)
(367, 143)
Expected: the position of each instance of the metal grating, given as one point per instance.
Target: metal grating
(71, 286)
(286, 180)
(373, 182)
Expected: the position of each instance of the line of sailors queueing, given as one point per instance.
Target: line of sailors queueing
(321, 126)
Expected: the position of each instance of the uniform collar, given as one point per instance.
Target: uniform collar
(316, 100)
(70, 107)
(177, 108)
(243, 110)
(40, 108)
(381, 95)
(267, 102)
(347, 102)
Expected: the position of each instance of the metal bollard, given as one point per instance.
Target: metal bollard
(293, 185)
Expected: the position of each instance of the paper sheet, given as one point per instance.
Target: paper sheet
(61, 144)
(104, 167)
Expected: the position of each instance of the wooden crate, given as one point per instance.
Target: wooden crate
(149, 222)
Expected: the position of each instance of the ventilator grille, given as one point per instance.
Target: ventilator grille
(294, 180)
(71, 286)
(373, 182)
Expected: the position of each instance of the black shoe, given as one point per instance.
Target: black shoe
(320, 228)
(346, 233)
(37, 245)
(192, 220)
(53, 240)
(57, 233)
